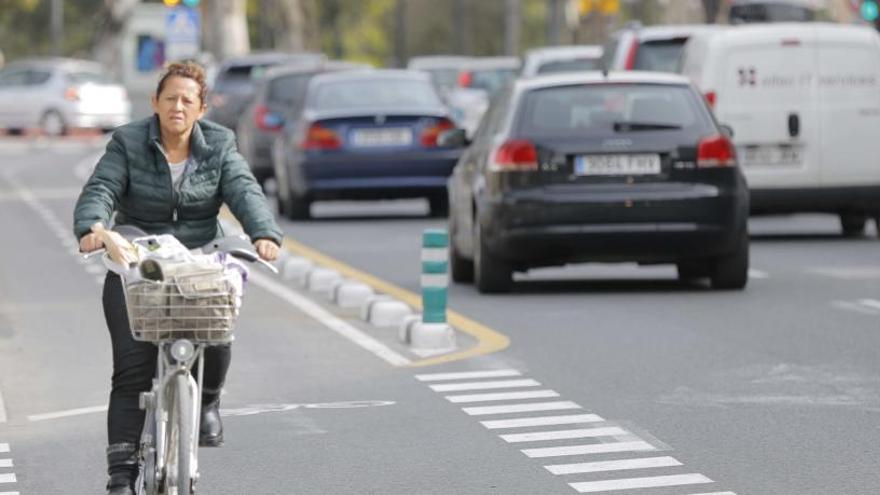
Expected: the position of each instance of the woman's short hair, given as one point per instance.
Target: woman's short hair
(190, 70)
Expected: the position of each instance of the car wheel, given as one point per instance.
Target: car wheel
(732, 270)
(853, 224)
(439, 205)
(692, 270)
(52, 124)
(296, 207)
(462, 269)
(490, 274)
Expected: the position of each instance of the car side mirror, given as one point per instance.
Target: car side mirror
(727, 130)
(453, 138)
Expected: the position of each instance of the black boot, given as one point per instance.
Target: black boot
(122, 466)
(211, 428)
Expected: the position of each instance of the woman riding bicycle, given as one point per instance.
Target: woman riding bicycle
(167, 174)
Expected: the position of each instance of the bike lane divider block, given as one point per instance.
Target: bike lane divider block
(384, 311)
(295, 269)
(349, 294)
(322, 280)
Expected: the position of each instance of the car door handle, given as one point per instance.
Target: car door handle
(794, 125)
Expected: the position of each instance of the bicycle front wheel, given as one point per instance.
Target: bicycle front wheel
(181, 444)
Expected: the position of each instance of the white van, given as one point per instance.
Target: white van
(803, 101)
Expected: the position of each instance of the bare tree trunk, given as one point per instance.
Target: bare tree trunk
(711, 8)
(295, 25)
(107, 44)
(227, 31)
(512, 26)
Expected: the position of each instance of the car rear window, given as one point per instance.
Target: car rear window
(659, 56)
(575, 65)
(287, 89)
(594, 109)
(84, 77)
(370, 93)
(492, 80)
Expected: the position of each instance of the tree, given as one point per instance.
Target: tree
(225, 28)
(107, 43)
(711, 8)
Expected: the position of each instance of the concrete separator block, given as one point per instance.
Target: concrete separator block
(404, 332)
(348, 294)
(432, 336)
(384, 311)
(322, 279)
(295, 269)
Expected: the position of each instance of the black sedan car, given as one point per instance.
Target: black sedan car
(279, 92)
(592, 167)
(236, 79)
(365, 134)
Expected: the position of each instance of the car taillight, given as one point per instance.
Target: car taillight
(267, 120)
(71, 94)
(515, 155)
(319, 137)
(433, 131)
(464, 79)
(631, 55)
(711, 98)
(716, 151)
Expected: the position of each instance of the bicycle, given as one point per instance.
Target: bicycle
(182, 312)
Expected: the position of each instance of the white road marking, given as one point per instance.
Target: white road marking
(9, 493)
(431, 377)
(83, 168)
(871, 272)
(3, 417)
(455, 387)
(68, 413)
(537, 394)
(602, 466)
(630, 483)
(332, 322)
(515, 408)
(871, 303)
(539, 436)
(4, 448)
(5, 463)
(596, 448)
(542, 421)
(7, 478)
(857, 307)
(713, 493)
(758, 274)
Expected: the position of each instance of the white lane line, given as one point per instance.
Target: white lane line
(713, 493)
(83, 168)
(537, 394)
(515, 408)
(332, 322)
(5, 463)
(596, 448)
(456, 387)
(4, 448)
(758, 274)
(871, 303)
(9, 493)
(68, 413)
(7, 478)
(539, 436)
(3, 417)
(431, 377)
(631, 483)
(858, 308)
(602, 466)
(542, 421)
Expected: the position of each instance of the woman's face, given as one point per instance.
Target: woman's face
(178, 105)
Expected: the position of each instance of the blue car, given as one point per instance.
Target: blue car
(368, 134)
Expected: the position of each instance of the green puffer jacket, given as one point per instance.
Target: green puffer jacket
(133, 179)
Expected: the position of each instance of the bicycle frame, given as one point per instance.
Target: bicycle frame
(157, 473)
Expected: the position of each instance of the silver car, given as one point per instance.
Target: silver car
(59, 94)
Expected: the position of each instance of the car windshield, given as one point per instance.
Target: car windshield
(371, 93)
(286, 89)
(84, 77)
(661, 56)
(573, 65)
(492, 80)
(610, 109)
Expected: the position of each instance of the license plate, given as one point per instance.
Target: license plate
(770, 155)
(645, 164)
(382, 137)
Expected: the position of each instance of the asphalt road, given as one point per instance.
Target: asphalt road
(637, 384)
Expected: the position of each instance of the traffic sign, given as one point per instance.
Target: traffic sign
(182, 33)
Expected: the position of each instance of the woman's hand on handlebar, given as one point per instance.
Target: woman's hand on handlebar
(267, 249)
(90, 242)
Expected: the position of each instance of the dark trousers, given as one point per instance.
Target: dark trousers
(134, 366)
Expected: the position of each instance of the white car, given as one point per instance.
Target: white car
(803, 101)
(58, 94)
(550, 59)
(650, 48)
